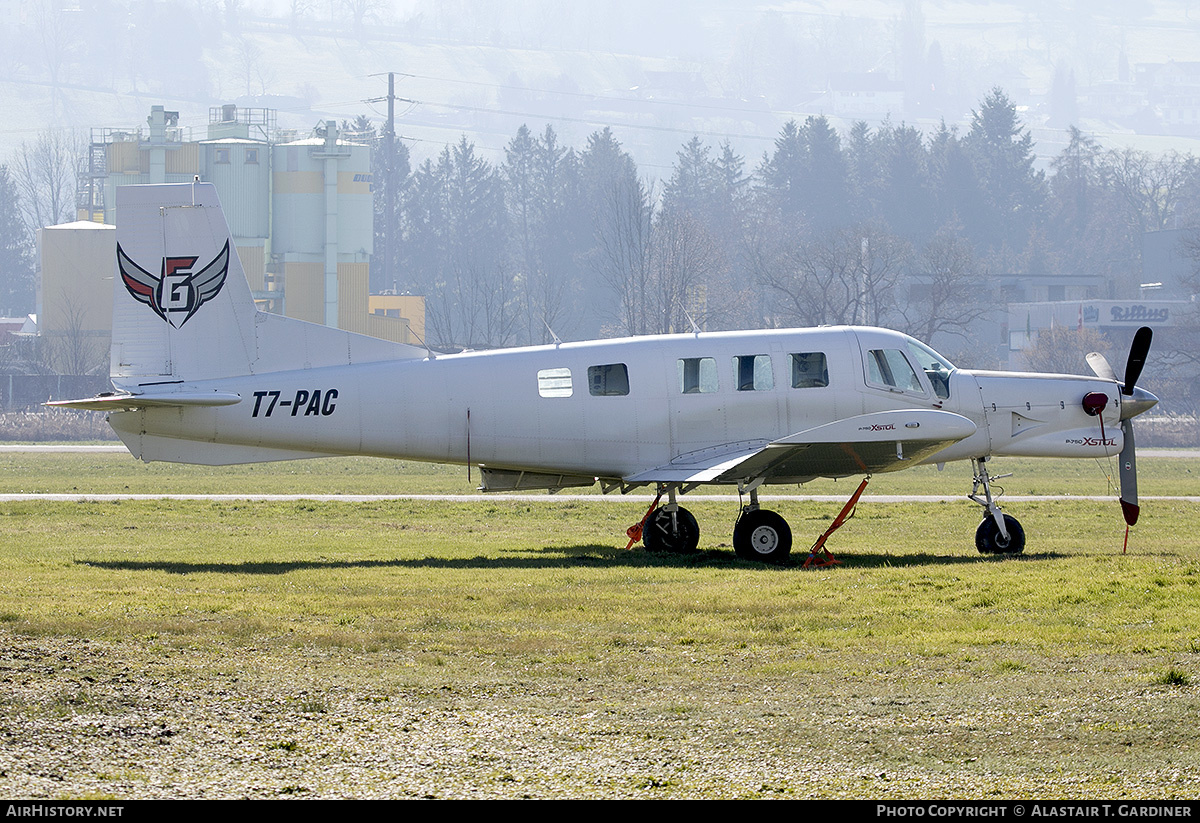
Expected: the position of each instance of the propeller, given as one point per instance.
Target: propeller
(1134, 402)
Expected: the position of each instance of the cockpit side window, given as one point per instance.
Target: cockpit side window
(889, 367)
(936, 367)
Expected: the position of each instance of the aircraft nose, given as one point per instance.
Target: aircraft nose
(1134, 404)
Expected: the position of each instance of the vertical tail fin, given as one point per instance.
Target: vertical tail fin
(181, 306)
(183, 311)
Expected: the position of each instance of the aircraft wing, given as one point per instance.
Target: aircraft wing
(866, 444)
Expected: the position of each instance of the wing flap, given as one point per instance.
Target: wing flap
(702, 466)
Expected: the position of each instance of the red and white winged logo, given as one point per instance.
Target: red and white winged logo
(178, 292)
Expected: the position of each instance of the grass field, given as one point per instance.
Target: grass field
(505, 649)
(116, 473)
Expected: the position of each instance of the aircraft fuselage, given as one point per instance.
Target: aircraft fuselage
(612, 408)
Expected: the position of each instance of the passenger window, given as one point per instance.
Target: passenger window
(697, 375)
(554, 382)
(889, 367)
(809, 370)
(608, 381)
(753, 372)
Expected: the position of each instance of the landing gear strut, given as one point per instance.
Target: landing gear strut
(999, 533)
(671, 528)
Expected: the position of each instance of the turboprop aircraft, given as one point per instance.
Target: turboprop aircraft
(201, 376)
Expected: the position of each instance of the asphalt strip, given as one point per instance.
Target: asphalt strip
(553, 498)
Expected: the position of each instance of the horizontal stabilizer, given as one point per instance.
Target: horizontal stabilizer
(124, 401)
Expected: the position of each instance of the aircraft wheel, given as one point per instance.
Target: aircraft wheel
(762, 535)
(658, 536)
(989, 541)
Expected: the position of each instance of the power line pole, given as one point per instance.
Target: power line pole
(389, 192)
(388, 173)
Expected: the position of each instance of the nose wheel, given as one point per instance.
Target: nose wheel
(989, 540)
(999, 533)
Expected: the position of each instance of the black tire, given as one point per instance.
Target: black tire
(989, 541)
(763, 536)
(659, 536)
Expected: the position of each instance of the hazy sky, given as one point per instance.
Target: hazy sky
(657, 71)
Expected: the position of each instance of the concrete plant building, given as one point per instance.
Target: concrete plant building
(301, 212)
(75, 295)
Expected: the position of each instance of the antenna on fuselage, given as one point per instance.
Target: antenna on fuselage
(428, 350)
(695, 328)
(557, 342)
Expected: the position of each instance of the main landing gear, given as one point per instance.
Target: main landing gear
(999, 533)
(671, 528)
(765, 536)
(760, 534)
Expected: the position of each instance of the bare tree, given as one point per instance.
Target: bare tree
(252, 67)
(58, 39)
(842, 276)
(473, 304)
(947, 289)
(298, 10)
(684, 263)
(69, 346)
(361, 11)
(1063, 350)
(1152, 186)
(45, 176)
(622, 253)
(769, 250)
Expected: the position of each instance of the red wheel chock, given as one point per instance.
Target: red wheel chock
(634, 532)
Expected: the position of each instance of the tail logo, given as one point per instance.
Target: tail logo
(178, 292)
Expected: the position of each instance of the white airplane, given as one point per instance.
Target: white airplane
(201, 376)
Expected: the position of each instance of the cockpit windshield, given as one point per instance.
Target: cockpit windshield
(936, 367)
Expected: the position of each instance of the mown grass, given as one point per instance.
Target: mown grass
(1066, 671)
(115, 473)
(461, 578)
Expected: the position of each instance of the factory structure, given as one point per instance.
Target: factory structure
(300, 209)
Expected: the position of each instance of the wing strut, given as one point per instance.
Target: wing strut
(819, 556)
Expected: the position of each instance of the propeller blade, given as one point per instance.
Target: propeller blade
(1137, 358)
(1128, 469)
(1100, 366)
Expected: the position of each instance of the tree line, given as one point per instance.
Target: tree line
(883, 225)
